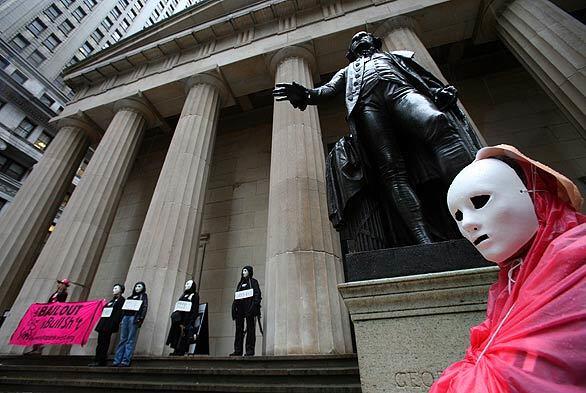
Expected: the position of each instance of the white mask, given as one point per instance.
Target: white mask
(116, 290)
(493, 209)
(188, 285)
(138, 288)
(244, 273)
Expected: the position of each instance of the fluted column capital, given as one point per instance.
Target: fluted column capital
(295, 51)
(138, 105)
(209, 79)
(83, 122)
(398, 22)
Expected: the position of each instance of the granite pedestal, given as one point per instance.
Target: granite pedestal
(409, 328)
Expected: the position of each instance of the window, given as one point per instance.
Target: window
(133, 13)
(3, 63)
(116, 35)
(115, 12)
(19, 77)
(124, 24)
(53, 11)
(156, 13)
(66, 26)
(37, 27)
(36, 58)
(107, 23)
(52, 42)
(90, 3)
(67, 3)
(43, 141)
(79, 14)
(15, 171)
(11, 168)
(97, 35)
(25, 128)
(123, 3)
(86, 49)
(45, 99)
(20, 41)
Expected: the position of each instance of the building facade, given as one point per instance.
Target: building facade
(38, 40)
(197, 172)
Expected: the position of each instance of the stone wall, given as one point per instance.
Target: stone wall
(235, 217)
(510, 107)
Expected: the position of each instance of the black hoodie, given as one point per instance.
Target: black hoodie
(249, 306)
(111, 323)
(141, 313)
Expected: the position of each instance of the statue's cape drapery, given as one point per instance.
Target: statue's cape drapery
(344, 178)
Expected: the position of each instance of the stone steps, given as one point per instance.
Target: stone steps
(324, 374)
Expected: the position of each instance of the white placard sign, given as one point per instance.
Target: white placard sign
(243, 294)
(132, 305)
(182, 305)
(107, 312)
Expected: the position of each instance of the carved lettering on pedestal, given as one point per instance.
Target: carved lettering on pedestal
(421, 379)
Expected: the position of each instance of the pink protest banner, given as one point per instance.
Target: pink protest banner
(57, 323)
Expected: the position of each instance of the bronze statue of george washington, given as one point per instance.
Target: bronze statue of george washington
(390, 99)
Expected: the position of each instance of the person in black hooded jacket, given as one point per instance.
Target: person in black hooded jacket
(182, 329)
(246, 305)
(108, 324)
(132, 320)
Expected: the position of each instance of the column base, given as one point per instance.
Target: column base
(409, 329)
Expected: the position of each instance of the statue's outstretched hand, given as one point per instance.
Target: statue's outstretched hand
(295, 93)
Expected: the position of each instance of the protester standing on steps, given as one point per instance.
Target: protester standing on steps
(108, 324)
(182, 331)
(59, 296)
(246, 305)
(134, 311)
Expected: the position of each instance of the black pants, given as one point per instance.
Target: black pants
(250, 335)
(379, 119)
(102, 347)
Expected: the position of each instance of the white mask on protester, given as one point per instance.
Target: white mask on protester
(117, 290)
(188, 285)
(245, 273)
(493, 209)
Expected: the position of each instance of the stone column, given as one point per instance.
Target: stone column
(551, 45)
(26, 222)
(74, 248)
(168, 243)
(304, 312)
(401, 33)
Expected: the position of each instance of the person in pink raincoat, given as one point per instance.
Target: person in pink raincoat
(524, 216)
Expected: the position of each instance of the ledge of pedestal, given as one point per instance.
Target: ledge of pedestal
(409, 329)
(444, 256)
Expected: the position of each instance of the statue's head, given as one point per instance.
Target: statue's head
(363, 41)
(493, 209)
